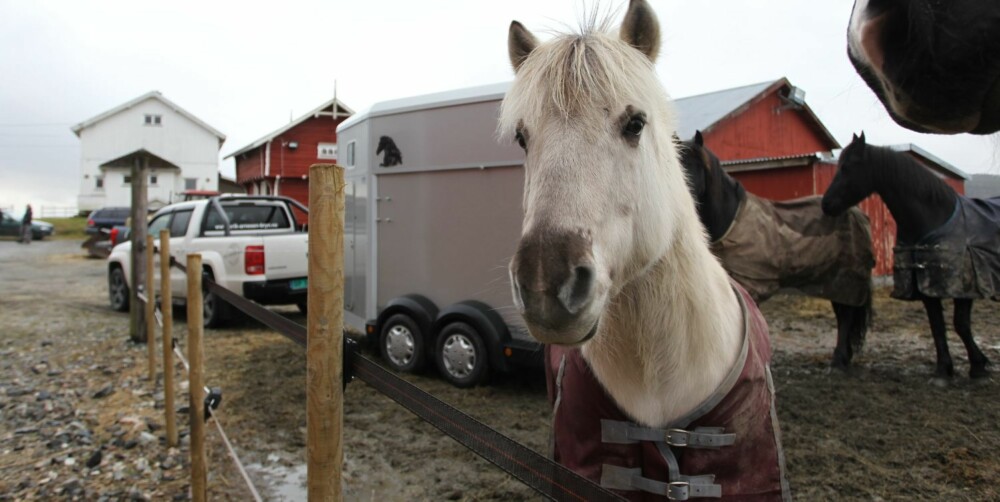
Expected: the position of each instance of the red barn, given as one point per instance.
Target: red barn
(278, 163)
(771, 141)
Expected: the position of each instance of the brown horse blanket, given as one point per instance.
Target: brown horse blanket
(728, 447)
(773, 245)
(960, 259)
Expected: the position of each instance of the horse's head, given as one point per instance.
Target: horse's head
(934, 65)
(717, 194)
(601, 177)
(697, 163)
(854, 180)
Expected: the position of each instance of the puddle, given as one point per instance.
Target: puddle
(280, 482)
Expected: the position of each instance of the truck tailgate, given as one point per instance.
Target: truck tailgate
(286, 256)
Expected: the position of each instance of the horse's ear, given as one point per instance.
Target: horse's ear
(640, 29)
(520, 43)
(698, 140)
(862, 137)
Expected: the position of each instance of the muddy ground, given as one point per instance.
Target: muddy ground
(79, 419)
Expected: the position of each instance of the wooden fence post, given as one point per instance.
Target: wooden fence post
(196, 377)
(324, 346)
(150, 310)
(167, 310)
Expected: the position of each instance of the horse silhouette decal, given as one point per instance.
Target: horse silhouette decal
(393, 157)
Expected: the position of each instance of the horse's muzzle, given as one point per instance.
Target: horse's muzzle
(554, 278)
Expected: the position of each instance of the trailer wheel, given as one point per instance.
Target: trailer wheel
(402, 344)
(461, 355)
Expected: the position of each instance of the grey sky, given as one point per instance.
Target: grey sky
(244, 68)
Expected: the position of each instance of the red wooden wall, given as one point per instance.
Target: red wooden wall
(250, 168)
(779, 184)
(289, 164)
(286, 162)
(764, 129)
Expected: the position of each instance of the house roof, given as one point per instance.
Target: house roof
(149, 95)
(341, 108)
(128, 160)
(931, 158)
(703, 111)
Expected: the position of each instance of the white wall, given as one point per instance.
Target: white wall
(177, 139)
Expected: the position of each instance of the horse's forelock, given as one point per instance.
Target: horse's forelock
(573, 75)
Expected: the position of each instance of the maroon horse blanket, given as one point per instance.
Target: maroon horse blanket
(792, 244)
(960, 259)
(728, 447)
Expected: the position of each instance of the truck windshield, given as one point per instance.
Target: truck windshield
(249, 217)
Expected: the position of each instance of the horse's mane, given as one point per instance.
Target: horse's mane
(902, 174)
(577, 73)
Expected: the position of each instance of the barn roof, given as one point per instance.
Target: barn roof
(341, 111)
(704, 111)
(149, 95)
(759, 163)
(929, 158)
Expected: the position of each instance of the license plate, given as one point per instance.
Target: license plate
(297, 284)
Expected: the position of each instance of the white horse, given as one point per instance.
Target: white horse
(612, 257)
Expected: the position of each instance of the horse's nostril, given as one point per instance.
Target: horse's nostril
(575, 293)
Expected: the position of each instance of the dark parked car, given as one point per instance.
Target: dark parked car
(11, 225)
(107, 218)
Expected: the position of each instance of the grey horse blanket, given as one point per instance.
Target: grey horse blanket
(792, 244)
(960, 259)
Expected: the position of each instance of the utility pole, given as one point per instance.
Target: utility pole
(140, 204)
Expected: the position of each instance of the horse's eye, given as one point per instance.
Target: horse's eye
(634, 126)
(521, 141)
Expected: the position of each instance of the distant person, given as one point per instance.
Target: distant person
(26, 226)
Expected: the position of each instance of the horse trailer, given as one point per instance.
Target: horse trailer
(433, 216)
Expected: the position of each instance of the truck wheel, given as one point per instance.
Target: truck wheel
(215, 310)
(402, 344)
(461, 355)
(118, 292)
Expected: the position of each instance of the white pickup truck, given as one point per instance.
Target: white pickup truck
(251, 245)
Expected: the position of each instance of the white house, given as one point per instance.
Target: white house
(181, 152)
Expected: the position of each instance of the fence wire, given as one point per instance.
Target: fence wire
(211, 413)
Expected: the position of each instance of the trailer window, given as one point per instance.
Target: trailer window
(349, 161)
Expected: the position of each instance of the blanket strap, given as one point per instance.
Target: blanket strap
(701, 437)
(687, 487)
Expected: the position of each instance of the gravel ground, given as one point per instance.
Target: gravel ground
(79, 419)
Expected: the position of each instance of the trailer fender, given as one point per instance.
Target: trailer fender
(419, 308)
(487, 322)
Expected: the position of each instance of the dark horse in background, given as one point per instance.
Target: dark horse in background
(934, 64)
(767, 246)
(947, 246)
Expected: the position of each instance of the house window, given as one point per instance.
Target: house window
(190, 183)
(99, 182)
(152, 179)
(326, 151)
(350, 155)
(127, 180)
(152, 120)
